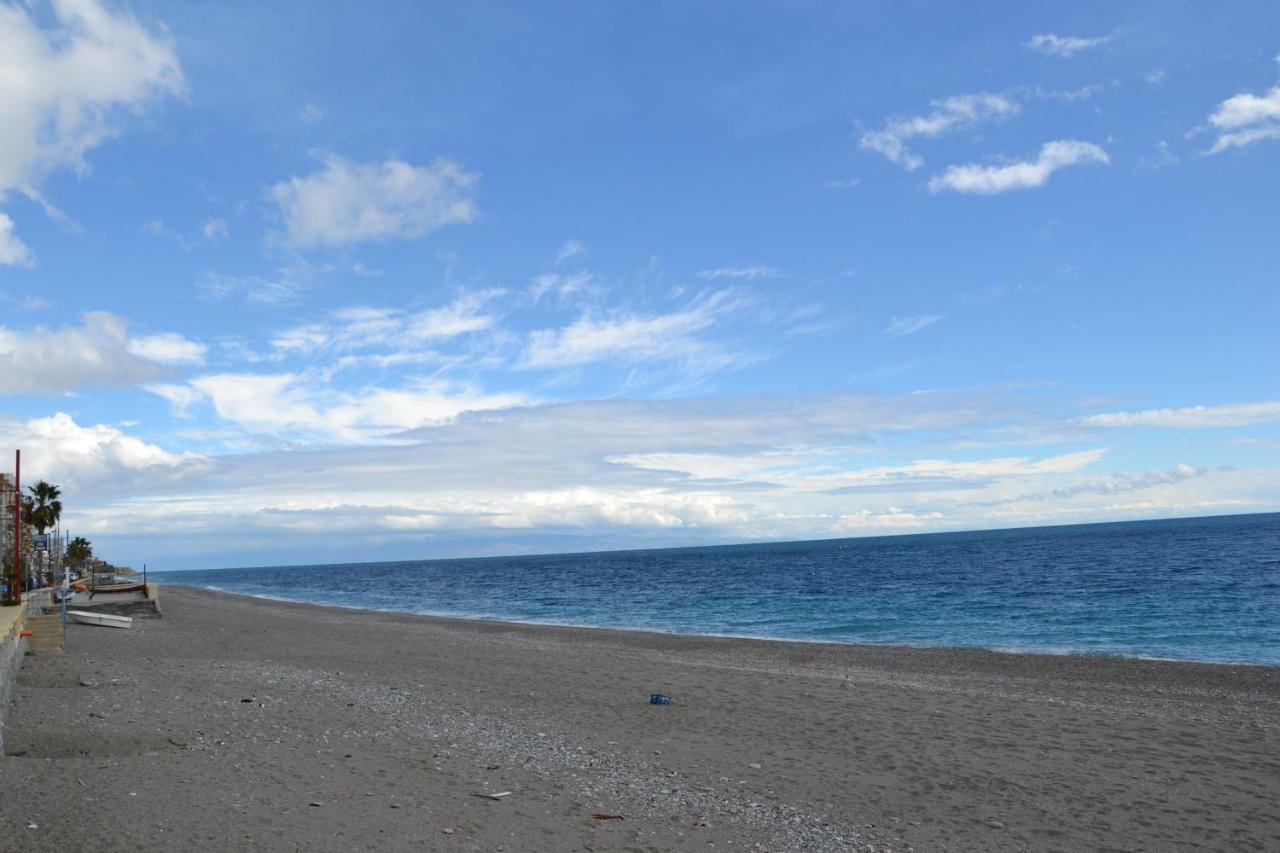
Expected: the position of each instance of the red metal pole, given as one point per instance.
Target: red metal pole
(17, 526)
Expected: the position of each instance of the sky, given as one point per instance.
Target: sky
(302, 282)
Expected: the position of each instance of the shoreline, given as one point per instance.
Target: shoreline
(243, 723)
(1083, 656)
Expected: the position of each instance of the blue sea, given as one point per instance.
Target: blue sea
(1205, 589)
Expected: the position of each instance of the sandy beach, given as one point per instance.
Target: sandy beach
(242, 724)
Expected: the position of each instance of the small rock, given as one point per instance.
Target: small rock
(448, 830)
(315, 804)
(995, 824)
(754, 766)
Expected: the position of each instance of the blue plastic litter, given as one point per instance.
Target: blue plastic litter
(659, 699)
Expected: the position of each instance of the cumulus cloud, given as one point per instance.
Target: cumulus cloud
(1019, 175)
(52, 361)
(949, 114)
(1229, 415)
(910, 325)
(344, 202)
(98, 456)
(1065, 46)
(62, 86)
(1244, 119)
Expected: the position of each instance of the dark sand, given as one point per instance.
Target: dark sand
(372, 732)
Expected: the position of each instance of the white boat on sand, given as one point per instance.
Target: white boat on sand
(106, 620)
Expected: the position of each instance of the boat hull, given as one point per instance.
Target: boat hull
(104, 620)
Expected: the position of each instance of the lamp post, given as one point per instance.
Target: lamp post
(15, 586)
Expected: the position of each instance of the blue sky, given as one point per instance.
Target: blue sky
(298, 282)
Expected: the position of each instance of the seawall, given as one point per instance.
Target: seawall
(12, 647)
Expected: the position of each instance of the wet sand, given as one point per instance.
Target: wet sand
(241, 724)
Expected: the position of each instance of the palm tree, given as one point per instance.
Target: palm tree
(42, 509)
(79, 550)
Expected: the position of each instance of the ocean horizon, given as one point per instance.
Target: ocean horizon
(1198, 589)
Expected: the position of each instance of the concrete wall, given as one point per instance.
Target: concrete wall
(12, 648)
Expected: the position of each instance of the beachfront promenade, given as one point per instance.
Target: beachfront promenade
(241, 724)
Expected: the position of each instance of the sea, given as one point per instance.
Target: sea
(1200, 589)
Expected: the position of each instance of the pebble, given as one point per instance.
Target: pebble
(754, 766)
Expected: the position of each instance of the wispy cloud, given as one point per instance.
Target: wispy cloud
(1065, 46)
(570, 250)
(1228, 415)
(211, 230)
(631, 337)
(1019, 175)
(748, 273)
(1162, 158)
(400, 330)
(910, 325)
(344, 202)
(846, 184)
(949, 114)
(563, 285)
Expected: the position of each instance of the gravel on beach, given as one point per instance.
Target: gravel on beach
(243, 724)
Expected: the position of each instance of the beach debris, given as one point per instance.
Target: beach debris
(448, 830)
(497, 796)
(659, 699)
(315, 804)
(754, 765)
(606, 816)
(32, 826)
(246, 700)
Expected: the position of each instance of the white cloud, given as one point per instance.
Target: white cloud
(13, 252)
(345, 202)
(181, 397)
(1065, 46)
(214, 229)
(1244, 119)
(288, 283)
(560, 284)
(847, 184)
(570, 250)
(1019, 175)
(97, 457)
(1161, 159)
(949, 114)
(629, 337)
(1154, 78)
(748, 273)
(891, 518)
(363, 327)
(167, 348)
(910, 325)
(306, 408)
(63, 84)
(1229, 415)
(52, 361)
(612, 473)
